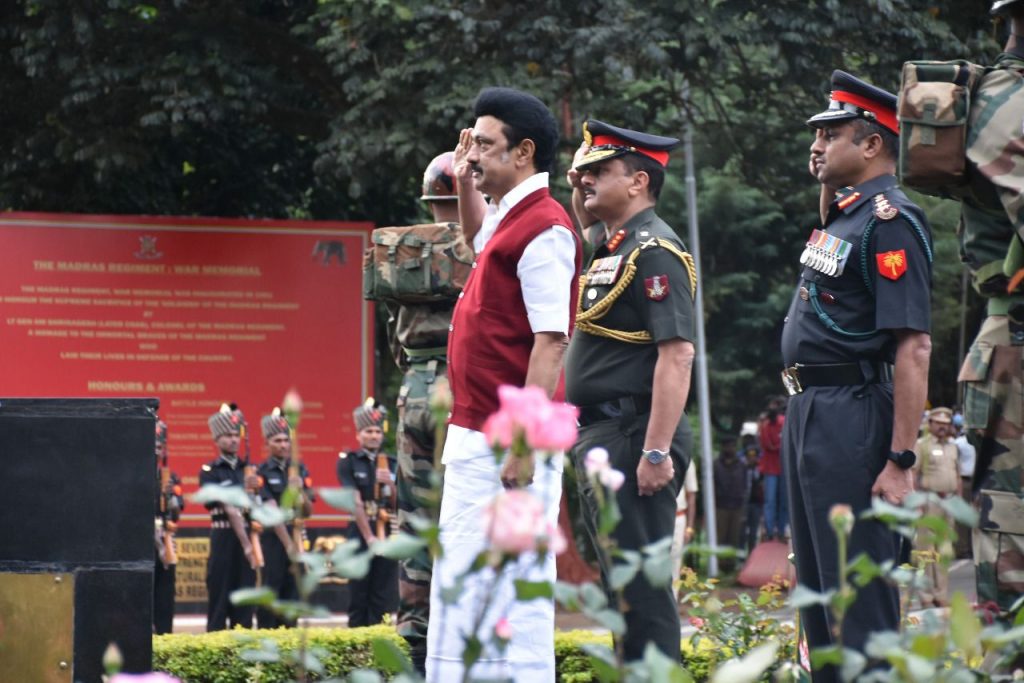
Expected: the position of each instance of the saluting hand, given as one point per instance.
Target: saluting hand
(462, 168)
(652, 478)
(572, 176)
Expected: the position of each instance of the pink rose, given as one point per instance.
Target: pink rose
(696, 622)
(556, 540)
(503, 629)
(514, 521)
(611, 478)
(596, 460)
(522, 403)
(500, 430)
(553, 427)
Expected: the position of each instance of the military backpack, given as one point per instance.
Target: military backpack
(934, 104)
(416, 264)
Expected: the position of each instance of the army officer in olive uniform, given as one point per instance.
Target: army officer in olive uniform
(628, 364)
(856, 347)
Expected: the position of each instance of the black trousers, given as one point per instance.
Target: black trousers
(277, 574)
(835, 443)
(163, 596)
(650, 612)
(227, 570)
(374, 595)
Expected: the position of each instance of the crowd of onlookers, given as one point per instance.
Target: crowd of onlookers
(750, 489)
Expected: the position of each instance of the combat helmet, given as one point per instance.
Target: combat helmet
(439, 179)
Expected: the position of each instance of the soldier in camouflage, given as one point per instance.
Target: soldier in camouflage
(992, 227)
(420, 343)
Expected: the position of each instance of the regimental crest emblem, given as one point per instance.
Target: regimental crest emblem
(656, 287)
(884, 211)
(892, 264)
(147, 249)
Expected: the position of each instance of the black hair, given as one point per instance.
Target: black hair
(523, 117)
(635, 161)
(890, 141)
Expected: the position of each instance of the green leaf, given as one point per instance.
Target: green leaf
(260, 597)
(964, 626)
(338, 498)
(355, 567)
(399, 547)
(853, 663)
(608, 618)
(365, 676)
(389, 657)
(820, 656)
(961, 510)
(471, 652)
(592, 596)
(802, 596)
(528, 590)
(622, 574)
(609, 517)
(228, 495)
(663, 668)
(750, 667)
(887, 512)
(267, 515)
(862, 570)
(603, 661)
(567, 595)
(658, 570)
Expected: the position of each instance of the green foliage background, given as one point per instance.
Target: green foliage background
(330, 109)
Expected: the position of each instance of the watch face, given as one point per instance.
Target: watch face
(904, 459)
(655, 457)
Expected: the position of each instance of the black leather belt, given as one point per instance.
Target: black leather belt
(614, 409)
(799, 376)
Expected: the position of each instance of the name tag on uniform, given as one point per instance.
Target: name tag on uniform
(604, 271)
(826, 253)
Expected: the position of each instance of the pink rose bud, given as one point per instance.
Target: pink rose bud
(696, 622)
(499, 429)
(553, 428)
(292, 402)
(441, 395)
(503, 629)
(596, 460)
(611, 478)
(841, 518)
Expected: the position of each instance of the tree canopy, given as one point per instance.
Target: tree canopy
(330, 109)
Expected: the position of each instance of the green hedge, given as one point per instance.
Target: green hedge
(218, 657)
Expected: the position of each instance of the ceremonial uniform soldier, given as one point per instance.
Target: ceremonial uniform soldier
(629, 360)
(231, 564)
(371, 474)
(861, 306)
(280, 543)
(169, 504)
(992, 214)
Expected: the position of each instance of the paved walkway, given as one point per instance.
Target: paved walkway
(961, 578)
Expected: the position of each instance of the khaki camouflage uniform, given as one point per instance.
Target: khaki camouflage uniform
(420, 341)
(993, 372)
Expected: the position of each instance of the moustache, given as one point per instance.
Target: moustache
(475, 168)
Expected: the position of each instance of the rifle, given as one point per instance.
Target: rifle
(169, 556)
(292, 404)
(384, 495)
(254, 527)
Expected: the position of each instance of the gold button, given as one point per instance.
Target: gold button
(804, 294)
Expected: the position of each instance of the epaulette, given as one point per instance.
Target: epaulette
(884, 211)
(684, 256)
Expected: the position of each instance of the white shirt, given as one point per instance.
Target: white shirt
(967, 456)
(548, 264)
(689, 486)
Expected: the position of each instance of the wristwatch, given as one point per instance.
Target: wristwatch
(903, 459)
(654, 456)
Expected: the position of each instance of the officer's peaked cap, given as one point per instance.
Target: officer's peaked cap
(852, 98)
(607, 142)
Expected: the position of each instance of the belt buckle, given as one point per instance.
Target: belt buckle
(791, 380)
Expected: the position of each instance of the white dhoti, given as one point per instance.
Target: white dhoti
(470, 484)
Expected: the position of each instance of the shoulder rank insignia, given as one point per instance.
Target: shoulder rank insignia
(892, 264)
(884, 211)
(616, 239)
(847, 200)
(656, 287)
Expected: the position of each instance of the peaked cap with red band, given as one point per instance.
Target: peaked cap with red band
(852, 98)
(607, 142)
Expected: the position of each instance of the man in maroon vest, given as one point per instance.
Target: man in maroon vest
(510, 326)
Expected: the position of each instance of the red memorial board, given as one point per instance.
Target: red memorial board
(196, 312)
